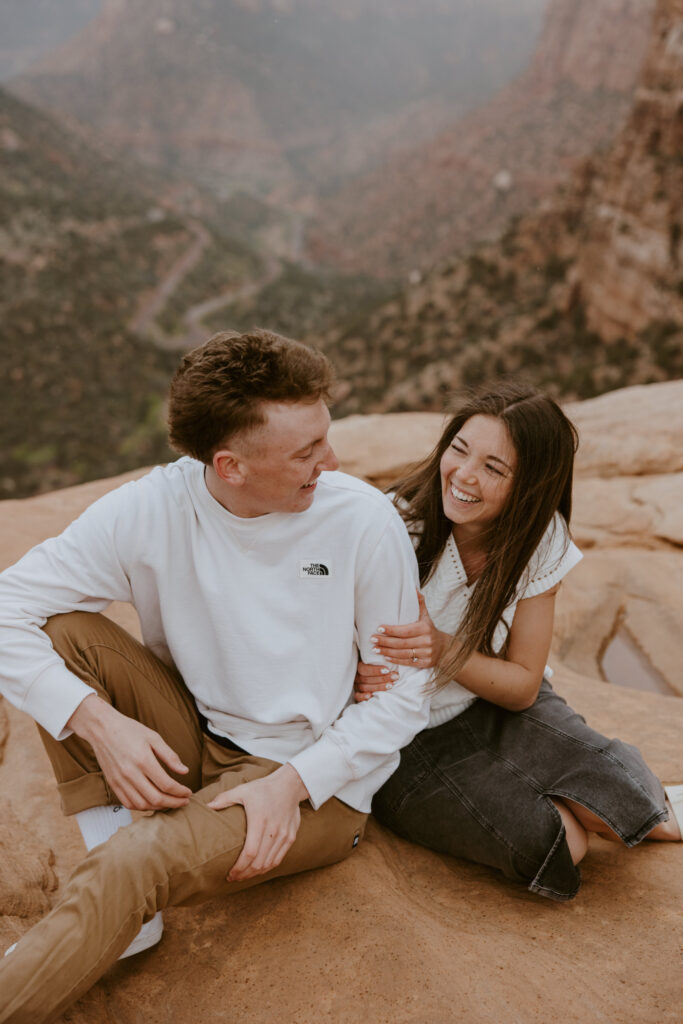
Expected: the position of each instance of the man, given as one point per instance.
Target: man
(258, 575)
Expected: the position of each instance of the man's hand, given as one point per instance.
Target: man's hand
(129, 753)
(271, 805)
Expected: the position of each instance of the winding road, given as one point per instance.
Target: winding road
(144, 323)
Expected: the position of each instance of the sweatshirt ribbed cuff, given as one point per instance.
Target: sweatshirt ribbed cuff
(323, 770)
(53, 697)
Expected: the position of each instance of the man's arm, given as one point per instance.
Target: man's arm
(366, 734)
(80, 570)
(77, 571)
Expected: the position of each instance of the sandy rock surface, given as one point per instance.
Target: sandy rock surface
(396, 933)
(632, 431)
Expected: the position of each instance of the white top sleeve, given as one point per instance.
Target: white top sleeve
(369, 731)
(61, 575)
(555, 555)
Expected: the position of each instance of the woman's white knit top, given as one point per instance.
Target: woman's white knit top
(447, 595)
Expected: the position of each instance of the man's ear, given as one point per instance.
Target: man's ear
(228, 467)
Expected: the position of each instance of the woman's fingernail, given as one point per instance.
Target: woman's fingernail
(388, 686)
(376, 650)
(381, 629)
(385, 671)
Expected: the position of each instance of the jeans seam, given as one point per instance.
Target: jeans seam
(471, 808)
(487, 825)
(536, 885)
(427, 766)
(436, 771)
(515, 770)
(588, 746)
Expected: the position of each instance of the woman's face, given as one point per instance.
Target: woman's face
(477, 471)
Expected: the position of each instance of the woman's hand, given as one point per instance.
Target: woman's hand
(419, 643)
(372, 679)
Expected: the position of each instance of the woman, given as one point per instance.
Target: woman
(506, 774)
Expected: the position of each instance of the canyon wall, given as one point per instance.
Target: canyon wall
(582, 295)
(630, 263)
(431, 202)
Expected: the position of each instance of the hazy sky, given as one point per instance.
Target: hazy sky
(29, 28)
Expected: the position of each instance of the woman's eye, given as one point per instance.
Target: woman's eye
(458, 448)
(493, 469)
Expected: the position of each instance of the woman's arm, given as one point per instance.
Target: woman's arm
(512, 682)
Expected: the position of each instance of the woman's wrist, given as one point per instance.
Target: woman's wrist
(444, 642)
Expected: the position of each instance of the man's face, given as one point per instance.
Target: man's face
(282, 460)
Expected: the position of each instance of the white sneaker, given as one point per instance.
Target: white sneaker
(147, 937)
(674, 795)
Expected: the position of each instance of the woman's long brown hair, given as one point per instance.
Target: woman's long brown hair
(545, 442)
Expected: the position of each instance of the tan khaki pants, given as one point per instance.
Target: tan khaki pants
(165, 859)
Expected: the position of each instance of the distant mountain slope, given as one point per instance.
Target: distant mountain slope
(30, 28)
(430, 202)
(582, 296)
(82, 241)
(281, 94)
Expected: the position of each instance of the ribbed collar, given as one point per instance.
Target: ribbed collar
(245, 526)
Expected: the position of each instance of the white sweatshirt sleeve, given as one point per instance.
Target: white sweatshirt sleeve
(367, 733)
(78, 570)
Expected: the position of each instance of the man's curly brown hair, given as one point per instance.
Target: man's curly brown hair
(220, 388)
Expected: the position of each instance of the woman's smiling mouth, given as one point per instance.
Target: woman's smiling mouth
(462, 496)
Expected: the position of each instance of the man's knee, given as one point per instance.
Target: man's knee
(73, 630)
(183, 854)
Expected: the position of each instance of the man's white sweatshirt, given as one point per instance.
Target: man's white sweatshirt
(263, 617)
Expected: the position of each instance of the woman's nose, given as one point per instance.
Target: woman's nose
(466, 473)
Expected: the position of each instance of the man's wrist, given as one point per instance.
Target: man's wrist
(294, 782)
(88, 715)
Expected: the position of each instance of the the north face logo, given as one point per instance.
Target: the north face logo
(313, 569)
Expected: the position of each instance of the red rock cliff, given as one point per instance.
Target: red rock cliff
(630, 267)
